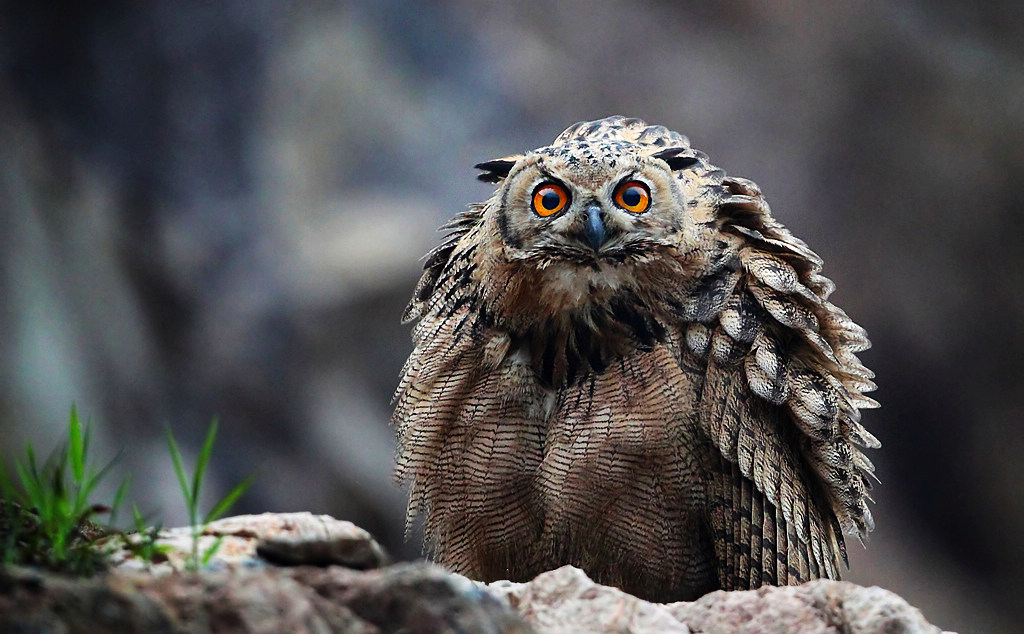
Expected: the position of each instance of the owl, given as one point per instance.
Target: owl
(623, 362)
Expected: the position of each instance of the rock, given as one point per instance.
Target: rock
(289, 539)
(337, 581)
(817, 606)
(566, 600)
(405, 597)
(319, 540)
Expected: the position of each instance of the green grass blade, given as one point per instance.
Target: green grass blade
(55, 470)
(204, 458)
(76, 446)
(179, 467)
(86, 488)
(228, 500)
(33, 483)
(30, 454)
(30, 484)
(86, 439)
(138, 519)
(212, 549)
(119, 497)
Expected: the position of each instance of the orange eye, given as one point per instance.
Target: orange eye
(633, 196)
(549, 199)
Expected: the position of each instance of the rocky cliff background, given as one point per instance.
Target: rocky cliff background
(218, 209)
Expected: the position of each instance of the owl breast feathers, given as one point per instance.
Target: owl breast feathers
(624, 363)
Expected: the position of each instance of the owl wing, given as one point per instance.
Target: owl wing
(781, 401)
(467, 449)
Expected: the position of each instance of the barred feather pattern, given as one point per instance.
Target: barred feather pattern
(690, 421)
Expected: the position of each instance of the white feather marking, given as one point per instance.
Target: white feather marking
(575, 285)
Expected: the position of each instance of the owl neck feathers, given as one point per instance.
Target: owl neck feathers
(565, 348)
(567, 332)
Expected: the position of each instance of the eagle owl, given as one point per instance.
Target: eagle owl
(623, 362)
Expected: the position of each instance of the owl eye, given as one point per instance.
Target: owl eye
(549, 199)
(633, 196)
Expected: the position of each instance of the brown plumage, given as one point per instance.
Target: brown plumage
(624, 363)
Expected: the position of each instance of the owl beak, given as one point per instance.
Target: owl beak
(594, 230)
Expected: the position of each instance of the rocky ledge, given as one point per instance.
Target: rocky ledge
(299, 572)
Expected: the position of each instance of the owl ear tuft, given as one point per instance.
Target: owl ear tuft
(676, 162)
(495, 170)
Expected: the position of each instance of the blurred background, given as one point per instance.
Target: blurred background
(219, 209)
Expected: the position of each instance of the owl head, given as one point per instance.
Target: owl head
(607, 205)
(589, 202)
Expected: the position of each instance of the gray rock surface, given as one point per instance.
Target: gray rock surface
(338, 583)
(402, 598)
(289, 539)
(820, 606)
(566, 600)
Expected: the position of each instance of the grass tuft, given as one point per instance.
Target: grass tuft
(190, 489)
(46, 513)
(46, 518)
